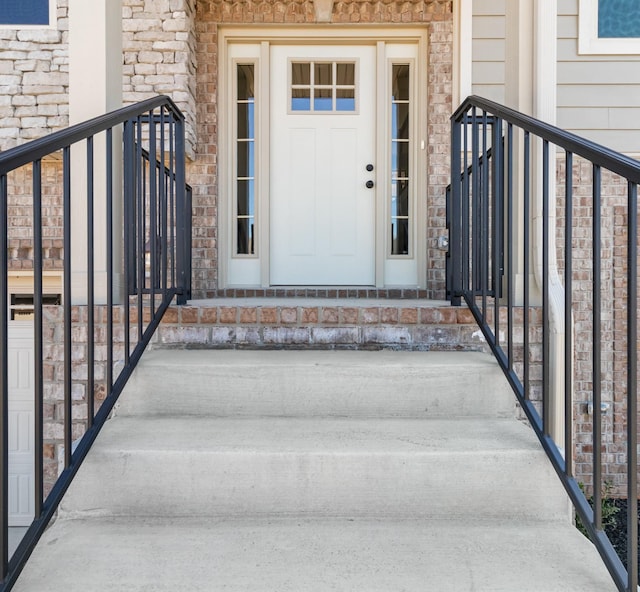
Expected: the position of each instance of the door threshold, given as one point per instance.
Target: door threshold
(409, 293)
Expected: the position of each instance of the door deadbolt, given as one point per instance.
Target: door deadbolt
(369, 167)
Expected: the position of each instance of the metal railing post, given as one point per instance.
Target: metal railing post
(455, 239)
(632, 388)
(4, 384)
(183, 218)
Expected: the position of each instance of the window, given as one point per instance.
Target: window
(609, 27)
(618, 19)
(400, 151)
(323, 86)
(17, 13)
(245, 159)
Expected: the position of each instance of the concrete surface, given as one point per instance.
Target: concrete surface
(315, 471)
(318, 466)
(317, 383)
(298, 555)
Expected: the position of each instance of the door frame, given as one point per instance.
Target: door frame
(261, 38)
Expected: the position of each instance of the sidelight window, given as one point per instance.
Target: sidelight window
(400, 158)
(245, 181)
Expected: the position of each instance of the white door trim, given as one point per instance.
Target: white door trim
(261, 38)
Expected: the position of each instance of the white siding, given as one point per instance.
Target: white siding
(488, 49)
(598, 96)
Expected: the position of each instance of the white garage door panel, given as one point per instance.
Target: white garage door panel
(21, 424)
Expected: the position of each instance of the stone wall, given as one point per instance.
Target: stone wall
(34, 81)
(159, 47)
(158, 55)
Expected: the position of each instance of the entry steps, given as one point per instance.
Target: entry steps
(277, 471)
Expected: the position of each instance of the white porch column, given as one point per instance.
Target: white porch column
(530, 87)
(462, 50)
(95, 88)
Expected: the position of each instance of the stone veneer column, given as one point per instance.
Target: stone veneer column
(95, 88)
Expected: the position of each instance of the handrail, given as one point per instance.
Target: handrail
(603, 156)
(131, 241)
(18, 156)
(491, 216)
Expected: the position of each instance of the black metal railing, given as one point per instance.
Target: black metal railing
(118, 185)
(504, 219)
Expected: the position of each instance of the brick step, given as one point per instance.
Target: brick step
(320, 323)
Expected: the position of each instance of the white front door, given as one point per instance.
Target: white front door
(21, 423)
(323, 141)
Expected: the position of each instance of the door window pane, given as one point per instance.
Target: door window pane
(399, 159)
(246, 238)
(346, 74)
(400, 82)
(246, 159)
(323, 99)
(325, 87)
(246, 82)
(323, 74)
(245, 120)
(345, 100)
(245, 197)
(300, 73)
(301, 99)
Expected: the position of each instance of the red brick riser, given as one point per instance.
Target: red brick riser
(403, 325)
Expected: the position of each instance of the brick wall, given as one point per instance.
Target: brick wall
(20, 216)
(163, 43)
(203, 172)
(613, 253)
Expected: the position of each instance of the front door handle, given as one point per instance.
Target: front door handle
(369, 184)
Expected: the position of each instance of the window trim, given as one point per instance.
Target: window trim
(247, 42)
(588, 41)
(53, 20)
